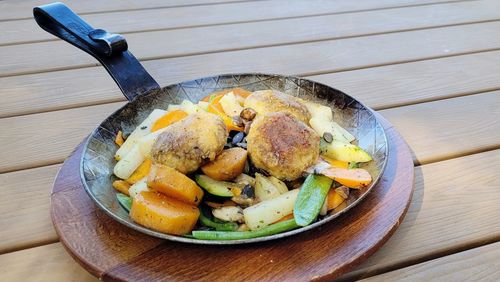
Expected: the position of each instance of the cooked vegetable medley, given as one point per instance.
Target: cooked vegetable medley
(237, 165)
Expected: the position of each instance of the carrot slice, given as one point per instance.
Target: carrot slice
(216, 103)
(121, 186)
(227, 165)
(119, 139)
(227, 120)
(141, 172)
(216, 108)
(241, 92)
(286, 217)
(336, 163)
(168, 119)
(352, 178)
(160, 212)
(333, 200)
(174, 184)
(237, 91)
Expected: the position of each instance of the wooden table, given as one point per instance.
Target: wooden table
(431, 67)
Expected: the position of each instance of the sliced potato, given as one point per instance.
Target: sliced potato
(345, 152)
(230, 104)
(278, 184)
(264, 188)
(138, 187)
(139, 153)
(127, 165)
(143, 129)
(173, 107)
(146, 142)
(189, 107)
(339, 133)
(352, 178)
(318, 111)
(270, 211)
(203, 105)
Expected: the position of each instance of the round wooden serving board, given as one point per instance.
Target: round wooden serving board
(112, 251)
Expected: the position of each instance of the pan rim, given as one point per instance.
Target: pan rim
(181, 239)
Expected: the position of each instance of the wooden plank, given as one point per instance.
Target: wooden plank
(185, 42)
(47, 138)
(479, 264)
(454, 206)
(449, 128)
(417, 82)
(22, 31)
(26, 223)
(447, 196)
(10, 10)
(45, 263)
(59, 90)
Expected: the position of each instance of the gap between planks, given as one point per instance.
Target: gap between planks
(399, 21)
(105, 11)
(43, 37)
(408, 120)
(477, 264)
(237, 61)
(221, 2)
(317, 76)
(291, 43)
(361, 274)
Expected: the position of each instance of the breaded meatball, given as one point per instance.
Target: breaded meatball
(282, 145)
(189, 143)
(267, 101)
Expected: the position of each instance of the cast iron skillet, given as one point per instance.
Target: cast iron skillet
(144, 95)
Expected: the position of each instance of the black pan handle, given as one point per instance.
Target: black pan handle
(109, 49)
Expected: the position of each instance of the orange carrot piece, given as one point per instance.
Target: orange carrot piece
(141, 172)
(352, 178)
(333, 200)
(209, 96)
(227, 120)
(174, 184)
(336, 163)
(121, 186)
(237, 91)
(227, 165)
(241, 92)
(286, 217)
(168, 119)
(216, 103)
(119, 139)
(162, 213)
